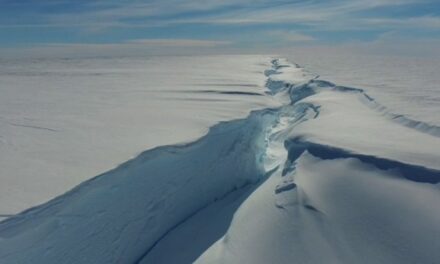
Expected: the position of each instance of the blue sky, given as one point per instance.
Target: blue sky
(214, 24)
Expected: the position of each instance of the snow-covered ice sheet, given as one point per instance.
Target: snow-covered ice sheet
(320, 174)
(408, 85)
(63, 121)
(340, 211)
(355, 186)
(339, 125)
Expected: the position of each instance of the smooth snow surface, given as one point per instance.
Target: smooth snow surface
(321, 173)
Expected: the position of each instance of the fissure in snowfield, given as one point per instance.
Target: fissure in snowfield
(147, 209)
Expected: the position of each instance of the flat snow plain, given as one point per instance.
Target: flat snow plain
(318, 173)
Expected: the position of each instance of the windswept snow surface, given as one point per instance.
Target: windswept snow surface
(321, 173)
(65, 121)
(407, 85)
(355, 186)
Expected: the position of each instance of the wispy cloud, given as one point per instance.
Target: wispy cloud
(197, 23)
(178, 42)
(426, 22)
(290, 36)
(159, 13)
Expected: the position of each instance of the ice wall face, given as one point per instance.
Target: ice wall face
(119, 216)
(328, 175)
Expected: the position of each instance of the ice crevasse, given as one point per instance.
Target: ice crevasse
(330, 176)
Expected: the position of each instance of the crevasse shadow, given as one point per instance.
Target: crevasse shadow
(123, 214)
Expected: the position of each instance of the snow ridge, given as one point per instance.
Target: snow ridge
(332, 199)
(313, 86)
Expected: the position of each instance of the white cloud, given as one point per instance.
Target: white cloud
(388, 44)
(290, 36)
(107, 14)
(308, 16)
(178, 42)
(318, 14)
(427, 22)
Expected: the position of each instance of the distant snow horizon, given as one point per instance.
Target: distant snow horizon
(193, 47)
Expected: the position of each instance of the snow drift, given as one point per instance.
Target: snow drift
(327, 177)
